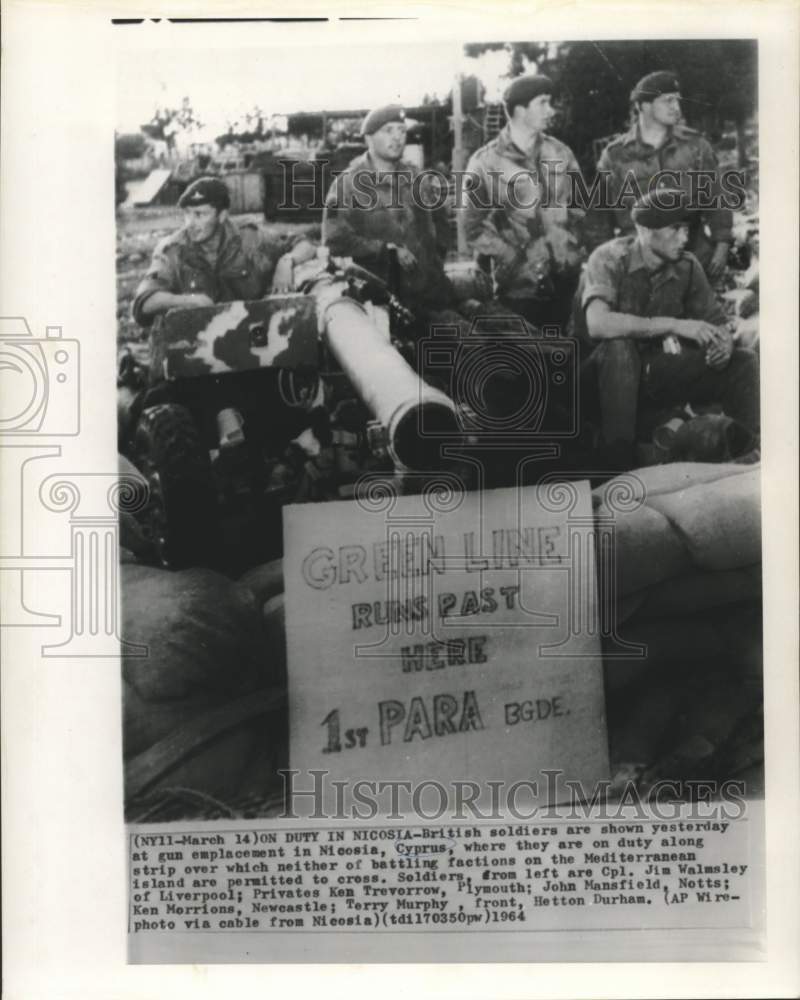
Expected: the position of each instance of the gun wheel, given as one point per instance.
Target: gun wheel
(181, 518)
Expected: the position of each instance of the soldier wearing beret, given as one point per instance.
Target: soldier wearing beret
(520, 212)
(383, 212)
(658, 143)
(209, 259)
(661, 332)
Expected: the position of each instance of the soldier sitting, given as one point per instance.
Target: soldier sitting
(210, 259)
(661, 332)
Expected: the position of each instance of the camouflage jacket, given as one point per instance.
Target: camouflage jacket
(243, 268)
(521, 213)
(365, 210)
(628, 159)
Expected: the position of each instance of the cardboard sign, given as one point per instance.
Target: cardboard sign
(452, 643)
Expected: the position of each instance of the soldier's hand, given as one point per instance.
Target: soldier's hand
(719, 353)
(406, 258)
(699, 331)
(302, 252)
(283, 278)
(718, 262)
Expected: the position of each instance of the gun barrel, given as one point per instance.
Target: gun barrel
(417, 417)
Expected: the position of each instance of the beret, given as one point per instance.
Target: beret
(379, 117)
(525, 88)
(654, 85)
(662, 207)
(206, 191)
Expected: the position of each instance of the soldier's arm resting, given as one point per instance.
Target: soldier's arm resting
(599, 299)
(160, 289)
(302, 251)
(159, 302)
(603, 323)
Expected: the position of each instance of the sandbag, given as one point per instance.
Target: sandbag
(654, 480)
(227, 754)
(275, 629)
(206, 644)
(264, 581)
(647, 550)
(690, 516)
(692, 593)
(700, 675)
(720, 522)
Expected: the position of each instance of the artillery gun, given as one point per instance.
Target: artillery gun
(246, 406)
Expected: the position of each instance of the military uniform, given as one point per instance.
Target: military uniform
(530, 230)
(238, 263)
(630, 164)
(367, 209)
(634, 371)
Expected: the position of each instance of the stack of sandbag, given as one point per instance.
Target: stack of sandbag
(688, 590)
(204, 711)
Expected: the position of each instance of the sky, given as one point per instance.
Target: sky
(223, 84)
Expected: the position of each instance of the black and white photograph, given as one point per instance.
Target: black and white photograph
(530, 266)
(433, 580)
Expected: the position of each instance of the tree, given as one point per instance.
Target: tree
(594, 81)
(257, 125)
(166, 123)
(520, 54)
(718, 82)
(129, 145)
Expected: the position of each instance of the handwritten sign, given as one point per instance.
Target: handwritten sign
(445, 637)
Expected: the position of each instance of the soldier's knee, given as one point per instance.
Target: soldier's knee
(617, 347)
(617, 352)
